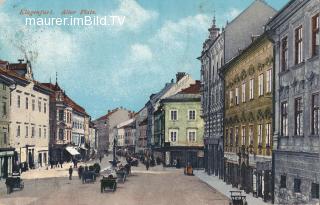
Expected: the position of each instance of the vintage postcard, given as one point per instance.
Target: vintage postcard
(159, 102)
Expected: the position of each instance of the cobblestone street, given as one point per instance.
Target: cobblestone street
(156, 186)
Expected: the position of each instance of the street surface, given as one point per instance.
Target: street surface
(163, 186)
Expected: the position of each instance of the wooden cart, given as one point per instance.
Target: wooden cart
(14, 183)
(108, 182)
(237, 198)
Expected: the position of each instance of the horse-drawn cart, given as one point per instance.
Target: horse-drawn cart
(237, 198)
(14, 182)
(88, 176)
(108, 182)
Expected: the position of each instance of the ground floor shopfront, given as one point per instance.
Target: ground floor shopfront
(213, 157)
(297, 177)
(32, 156)
(181, 155)
(250, 173)
(60, 153)
(6, 162)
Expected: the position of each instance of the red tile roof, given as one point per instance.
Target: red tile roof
(67, 100)
(192, 89)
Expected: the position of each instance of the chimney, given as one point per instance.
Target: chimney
(179, 76)
(254, 37)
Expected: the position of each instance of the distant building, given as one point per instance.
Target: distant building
(183, 80)
(125, 132)
(141, 130)
(218, 49)
(295, 32)
(178, 128)
(248, 119)
(93, 141)
(106, 125)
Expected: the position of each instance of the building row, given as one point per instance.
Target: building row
(39, 122)
(260, 102)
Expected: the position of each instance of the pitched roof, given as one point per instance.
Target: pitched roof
(192, 89)
(67, 99)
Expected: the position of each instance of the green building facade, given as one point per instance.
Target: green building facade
(178, 129)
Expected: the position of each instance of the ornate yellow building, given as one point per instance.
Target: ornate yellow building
(248, 118)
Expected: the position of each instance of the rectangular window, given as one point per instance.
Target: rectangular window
(283, 181)
(39, 106)
(4, 87)
(269, 81)
(18, 131)
(237, 96)
(260, 135)
(284, 54)
(33, 104)
(45, 107)
(298, 45)
(61, 137)
(251, 88)
(231, 97)
(174, 115)
(18, 101)
(284, 119)
(243, 134)
(61, 115)
(315, 191)
(227, 137)
(260, 84)
(39, 132)
(268, 134)
(192, 135)
(231, 136)
(32, 132)
(192, 114)
(315, 114)
(173, 135)
(27, 103)
(315, 35)
(4, 108)
(298, 116)
(27, 131)
(5, 135)
(237, 136)
(251, 134)
(297, 185)
(243, 92)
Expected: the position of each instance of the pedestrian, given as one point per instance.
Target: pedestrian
(70, 173)
(147, 163)
(80, 171)
(100, 159)
(61, 162)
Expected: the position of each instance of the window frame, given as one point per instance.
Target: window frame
(243, 92)
(195, 135)
(176, 131)
(315, 34)
(251, 89)
(284, 53)
(171, 111)
(189, 116)
(298, 116)
(298, 45)
(284, 119)
(315, 114)
(260, 84)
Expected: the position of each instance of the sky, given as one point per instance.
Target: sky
(104, 67)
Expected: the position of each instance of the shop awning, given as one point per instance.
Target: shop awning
(72, 151)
